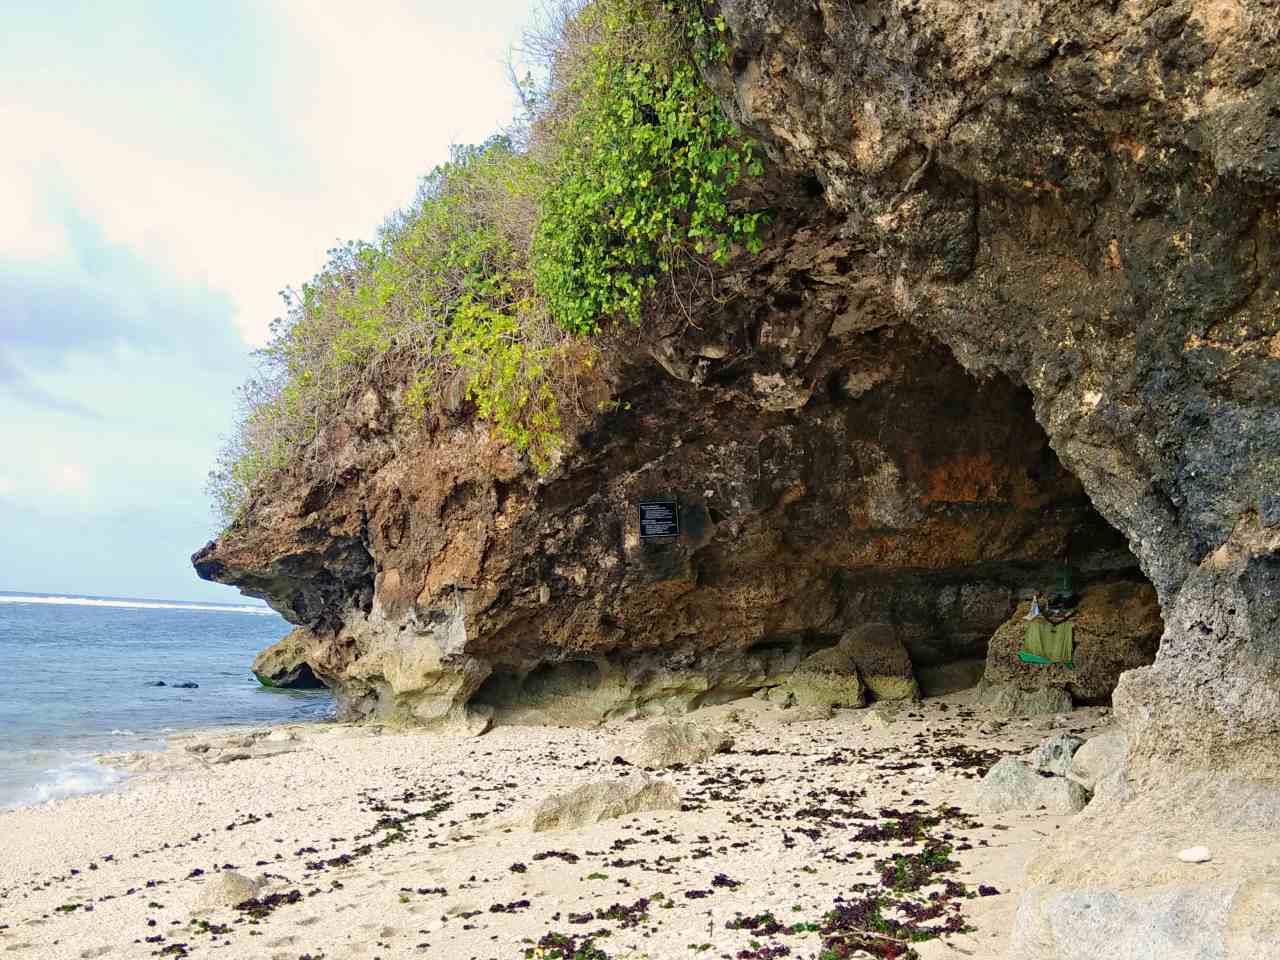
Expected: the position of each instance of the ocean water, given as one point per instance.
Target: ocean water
(73, 683)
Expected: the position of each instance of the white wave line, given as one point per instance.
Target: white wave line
(135, 604)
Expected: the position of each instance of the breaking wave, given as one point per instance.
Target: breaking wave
(136, 604)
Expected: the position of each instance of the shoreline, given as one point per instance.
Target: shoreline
(86, 875)
(113, 767)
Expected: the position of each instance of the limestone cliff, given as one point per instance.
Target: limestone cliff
(1020, 304)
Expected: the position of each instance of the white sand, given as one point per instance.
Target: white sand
(276, 815)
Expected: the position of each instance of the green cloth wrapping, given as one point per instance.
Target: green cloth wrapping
(1048, 643)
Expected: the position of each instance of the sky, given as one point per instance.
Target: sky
(165, 170)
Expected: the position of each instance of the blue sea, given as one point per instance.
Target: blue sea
(74, 675)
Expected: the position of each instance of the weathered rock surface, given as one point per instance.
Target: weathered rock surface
(602, 800)
(484, 585)
(1116, 627)
(665, 743)
(284, 664)
(1231, 921)
(881, 659)
(828, 678)
(1011, 700)
(1098, 758)
(1054, 754)
(1115, 881)
(1012, 785)
(228, 888)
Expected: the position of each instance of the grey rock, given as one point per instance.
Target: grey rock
(1099, 757)
(603, 800)
(1011, 785)
(1010, 700)
(806, 714)
(1213, 921)
(1054, 753)
(665, 743)
(227, 889)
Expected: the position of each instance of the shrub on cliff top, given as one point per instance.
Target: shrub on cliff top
(621, 177)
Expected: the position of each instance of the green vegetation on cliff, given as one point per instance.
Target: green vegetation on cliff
(621, 176)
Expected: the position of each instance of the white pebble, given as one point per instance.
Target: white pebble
(1195, 855)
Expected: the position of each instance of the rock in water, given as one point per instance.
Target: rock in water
(1011, 785)
(284, 664)
(1195, 855)
(603, 800)
(1054, 753)
(665, 743)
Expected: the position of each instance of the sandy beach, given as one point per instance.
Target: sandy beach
(374, 843)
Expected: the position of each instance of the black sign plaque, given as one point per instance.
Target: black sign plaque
(659, 518)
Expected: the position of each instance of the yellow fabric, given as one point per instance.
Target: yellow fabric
(1052, 641)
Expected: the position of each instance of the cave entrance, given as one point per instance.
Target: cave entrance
(960, 514)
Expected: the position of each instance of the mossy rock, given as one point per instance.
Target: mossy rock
(283, 665)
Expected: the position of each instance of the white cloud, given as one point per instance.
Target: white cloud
(48, 474)
(26, 231)
(69, 478)
(371, 95)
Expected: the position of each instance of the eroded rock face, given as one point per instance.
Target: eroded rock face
(1087, 197)
(1083, 196)
(823, 550)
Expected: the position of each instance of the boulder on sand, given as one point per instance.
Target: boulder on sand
(1011, 785)
(666, 743)
(602, 800)
(1098, 758)
(228, 888)
(1054, 753)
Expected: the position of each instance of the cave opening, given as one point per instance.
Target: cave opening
(962, 525)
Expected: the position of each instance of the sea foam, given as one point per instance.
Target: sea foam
(73, 779)
(135, 604)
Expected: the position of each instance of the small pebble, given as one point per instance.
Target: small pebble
(1195, 855)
